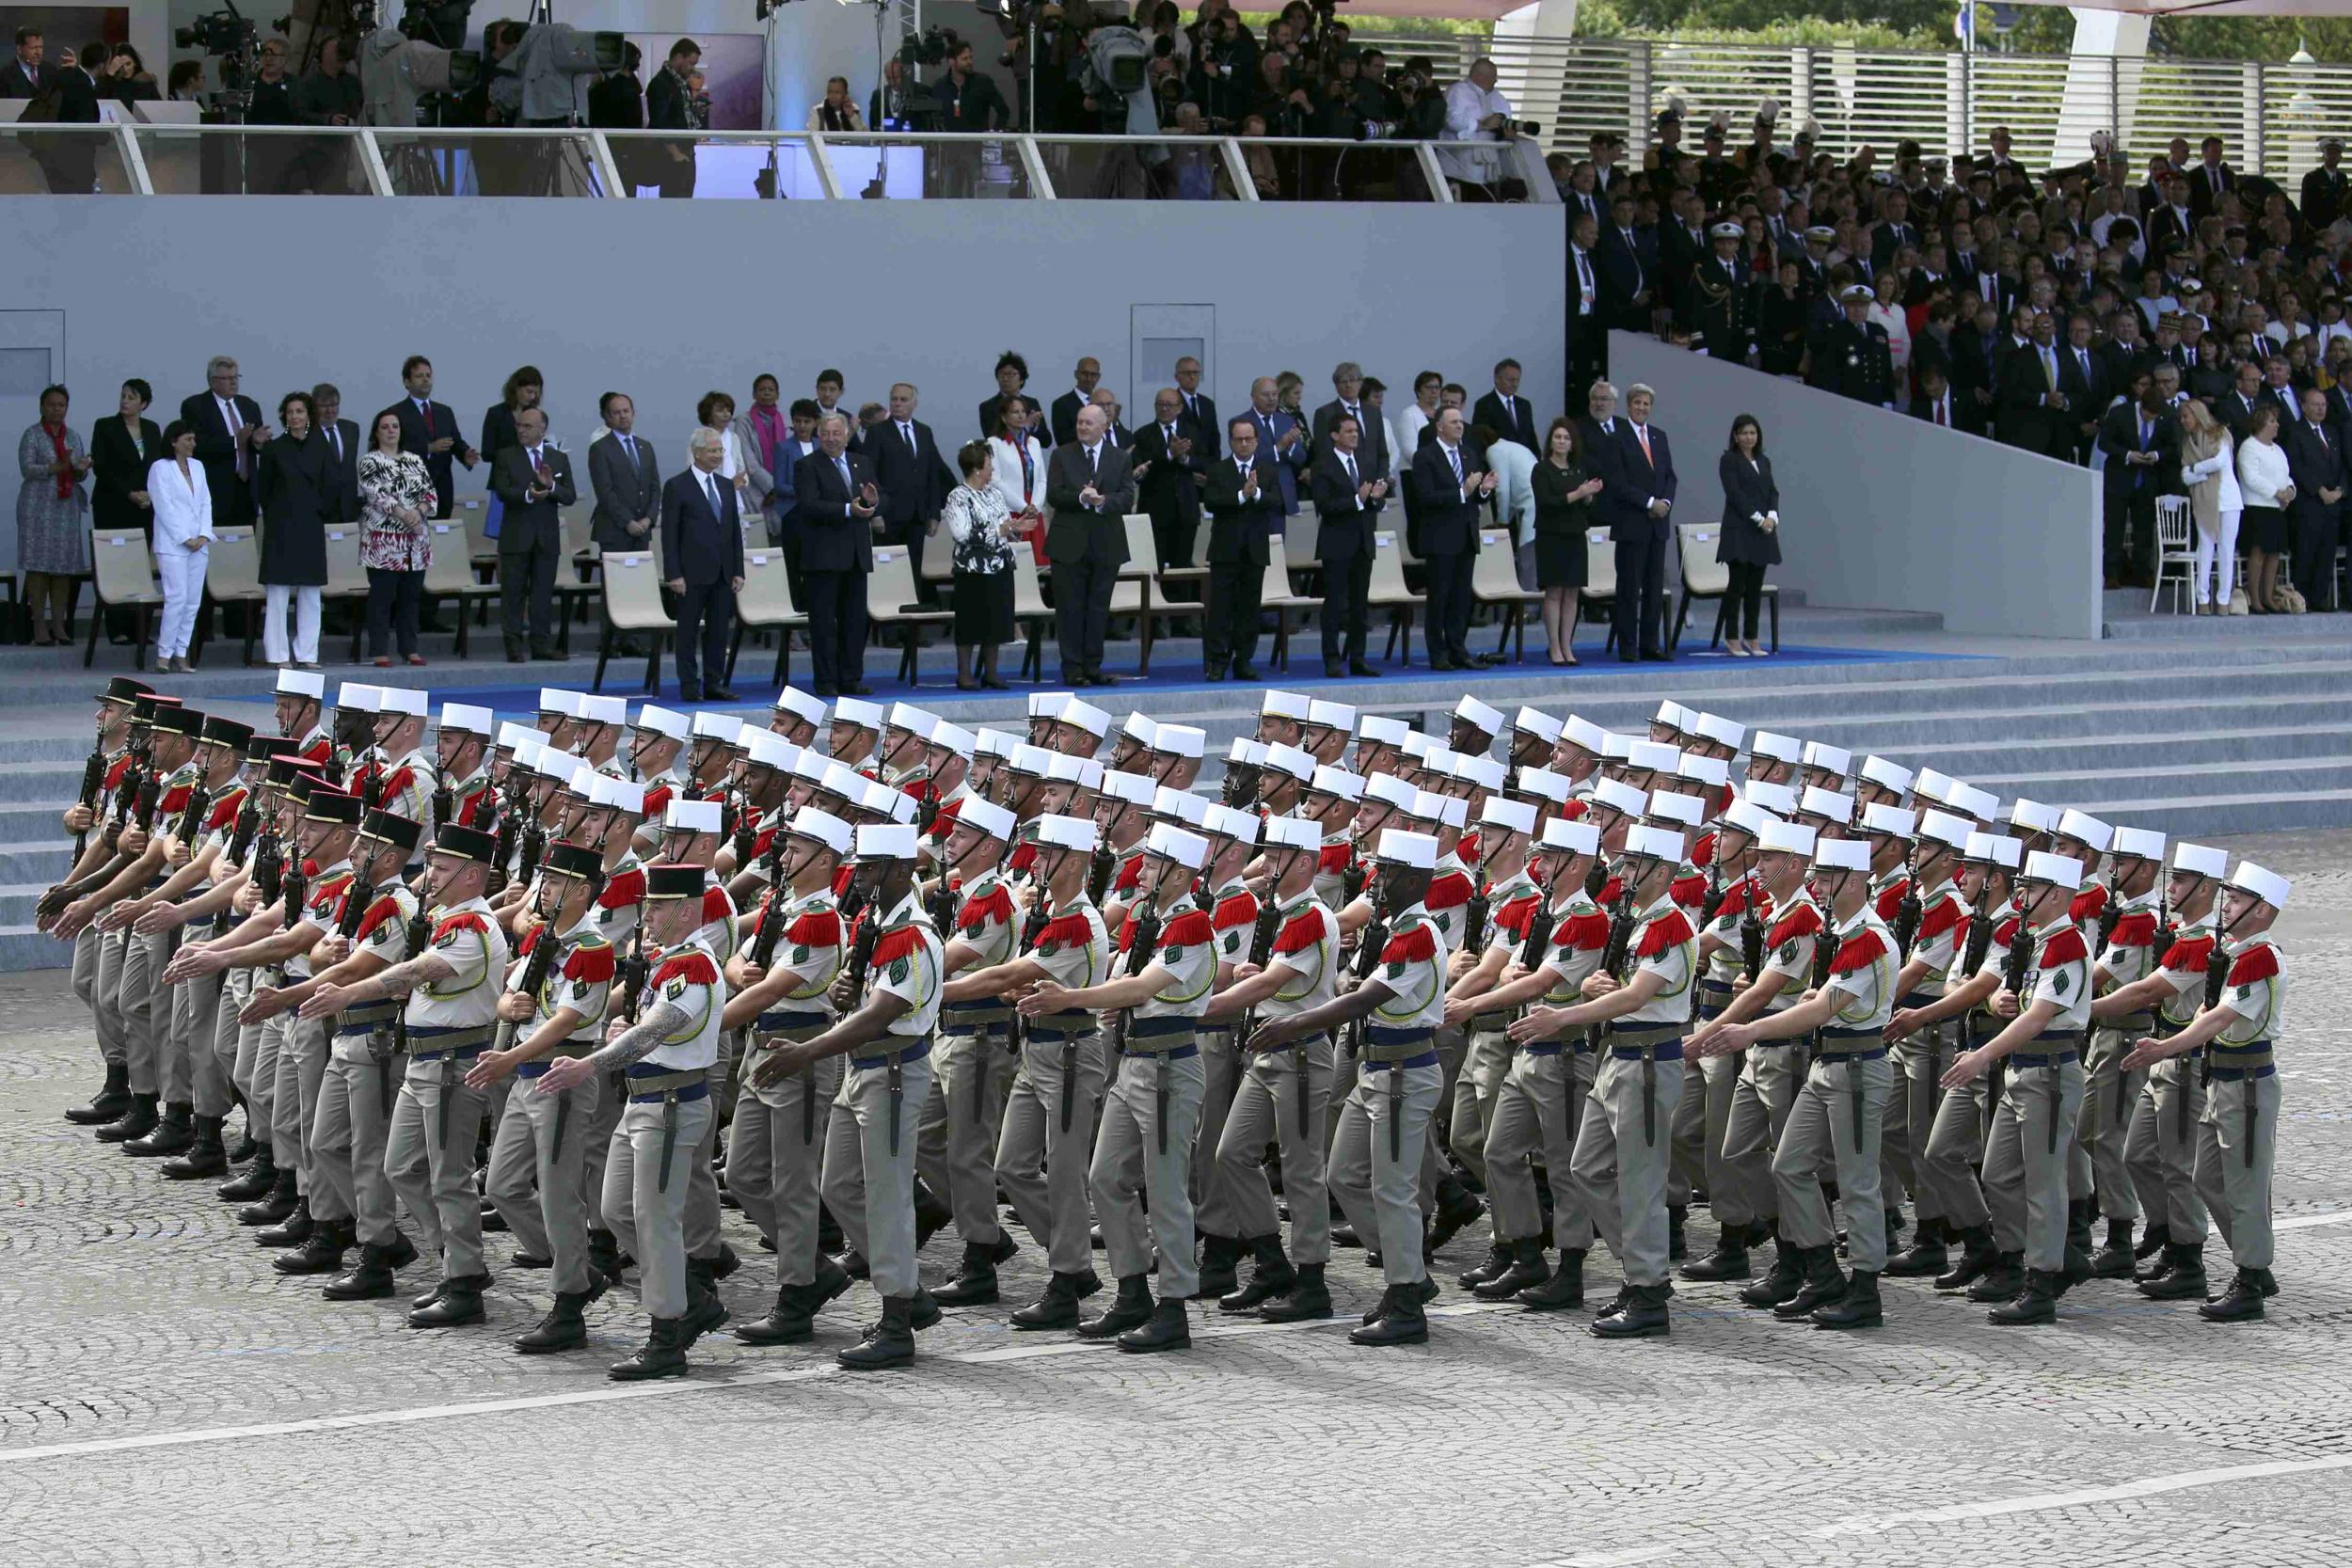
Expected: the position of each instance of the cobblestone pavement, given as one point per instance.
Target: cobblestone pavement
(166, 1398)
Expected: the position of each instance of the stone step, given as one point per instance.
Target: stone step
(23, 948)
(42, 864)
(2005, 758)
(2094, 788)
(2259, 811)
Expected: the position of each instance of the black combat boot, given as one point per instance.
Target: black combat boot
(2116, 1260)
(1928, 1253)
(1427, 1290)
(1221, 1265)
(1308, 1297)
(1858, 1307)
(725, 1262)
(2003, 1280)
(1271, 1278)
(291, 1231)
(1785, 1280)
(1824, 1281)
(2242, 1300)
(322, 1252)
(2036, 1302)
(1497, 1259)
(1058, 1306)
(975, 1284)
(2182, 1276)
(460, 1303)
(1642, 1315)
(2079, 1214)
(276, 1205)
(137, 1120)
(206, 1156)
(1565, 1288)
(2152, 1241)
(890, 1342)
(930, 1217)
(705, 1311)
(1526, 1272)
(1168, 1328)
(174, 1134)
(1677, 1214)
(1978, 1255)
(1130, 1309)
(1454, 1209)
(369, 1280)
(1729, 1260)
(662, 1355)
(255, 1183)
(563, 1328)
(1398, 1320)
(112, 1099)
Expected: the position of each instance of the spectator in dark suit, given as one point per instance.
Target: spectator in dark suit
(1452, 489)
(70, 161)
(1282, 439)
(2235, 409)
(1637, 495)
(2032, 409)
(1372, 451)
(534, 482)
(1936, 402)
(625, 476)
(1168, 467)
(2315, 459)
(1504, 412)
(1065, 413)
(2144, 446)
(1977, 348)
(344, 443)
(1245, 512)
(667, 109)
(1091, 487)
(1207, 431)
(29, 72)
(1115, 432)
(1624, 283)
(837, 500)
(1349, 492)
(914, 479)
(702, 563)
(429, 430)
(2083, 379)
(229, 435)
(1012, 373)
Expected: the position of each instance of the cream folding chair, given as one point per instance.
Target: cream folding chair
(1275, 594)
(1495, 581)
(1031, 613)
(891, 601)
(233, 575)
(122, 576)
(766, 604)
(1132, 594)
(1389, 590)
(2175, 558)
(1706, 578)
(1601, 582)
(633, 603)
(449, 573)
(347, 580)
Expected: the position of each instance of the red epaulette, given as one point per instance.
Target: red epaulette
(1573, 811)
(841, 880)
(384, 909)
(469, 920)
(1943, 916)
(656, 801)
(1583, 933)
(1802, 921)
(394, 783)
(2137, 929)
(115, 770)
(1468, 847)
(175, 798)
(1417, 946)
(1448, 892)
(1688, 893)
(1336, 858)
(2188, 952)
(1513, 917)
(894, 945)
(1611, 891)
(1023, 859)
(319, 750)
(2259, 962)
(693, 968)
(1890, 898)
(944, 822)
(225, 809)
(1703, 852)
(2005, 932)
(590, 962)
(759, 847)
(717, 905)
(2086, 904)
(815, 929)
(2064, 948)
(1063, 929)
(625, 888)
(1671, 929)
(1188, 930)
(1240, 910)
(1129, 875)
(1858, 951)
(1301, 933)
(995, 904)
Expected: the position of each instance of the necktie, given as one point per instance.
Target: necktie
(335, 439)
(228, 418)
(2049, 367)
(1094, 461)
(842, 463)
(1349, 464)
(1168, 433)
(628, 449)
(906, 434)
(710, 489)
(1454, 455)
(1640, 433)
(1939, 412)
(1584, 283)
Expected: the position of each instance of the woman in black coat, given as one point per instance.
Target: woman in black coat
(1564, 507)
(299, 486)
(120, 450)
(1751, 536)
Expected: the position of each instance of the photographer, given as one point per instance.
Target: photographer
(327, 94)
(1115, 74)
(1225, 69)
(1474, 111)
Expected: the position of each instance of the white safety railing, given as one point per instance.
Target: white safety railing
(186, 160)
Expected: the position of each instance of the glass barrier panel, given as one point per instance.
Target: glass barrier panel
(1336, 171)
(897, 168)
(64, 160)
(1173, 168)
(461, 163)
(739, 168)
(225, 161)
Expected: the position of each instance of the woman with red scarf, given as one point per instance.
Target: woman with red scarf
(52, 520)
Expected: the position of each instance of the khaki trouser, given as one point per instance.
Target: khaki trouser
(298, 1066)
(2233, 1175)
(646, 1210)
(2161, 1148)
(2109, 1095)
(1539, 1109)
(868, 1186)
(1216, 1209)
(89, 962)
(776, 1155)
(601, 1126)
(1266, 1110)
(956, 1147)
(535, 1182)
(1827, 1132)
(1452, 1045)
(227, 1033)
(1150, 1115)
(1041, 1153)
(1762, 1095)
(434, 1178)
(347, 1140)
(114, 1003)
(147, 1007)
(1622, 1152)
(702, 1188)
(1376, 1172)
(254, 1075)
(2025, 1154)
(1946, 1167)
(1916, 1097)
(195, 1005)
(1485, 1064)
(1904, 1133)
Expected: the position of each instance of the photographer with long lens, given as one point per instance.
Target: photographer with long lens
(1476, 111)
(1115, 74)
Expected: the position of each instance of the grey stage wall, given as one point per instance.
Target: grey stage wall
(667, 300)
(1882, 510)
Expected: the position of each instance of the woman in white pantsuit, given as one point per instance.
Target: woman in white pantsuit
(184, 536)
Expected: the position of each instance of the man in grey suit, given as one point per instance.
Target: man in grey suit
(1371, 452)
(342, 438)
(534, 481)
(1091, 488)
(626, 478)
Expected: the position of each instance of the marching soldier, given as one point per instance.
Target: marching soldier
(1852, 356)
(556, 997)
(2033, 1124)
(2136, 866)
(1233, 915)
(664, 1057)
(2237, 1140)
(462, 766)
(1723, 295)
(1929, 968)
(893, 978)
(401, 779)
(1836, 1119)
(1151, 1105)
(87, 819)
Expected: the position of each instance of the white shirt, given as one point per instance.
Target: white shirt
(1466, 105)
(2262, 470)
